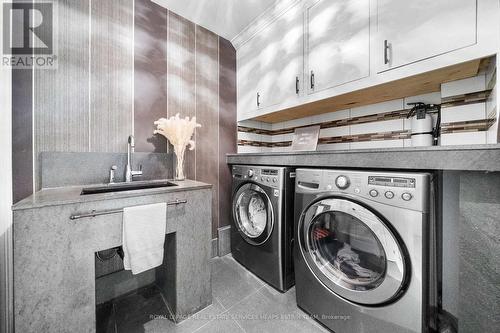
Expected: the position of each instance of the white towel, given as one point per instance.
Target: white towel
(143, 236)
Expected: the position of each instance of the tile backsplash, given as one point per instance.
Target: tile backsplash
(469, 116)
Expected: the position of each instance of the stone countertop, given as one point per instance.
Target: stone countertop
(459, 158)
(71, 194)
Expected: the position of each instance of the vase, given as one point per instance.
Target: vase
(179, 167)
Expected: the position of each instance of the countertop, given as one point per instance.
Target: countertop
(71, 194)
(459, 158)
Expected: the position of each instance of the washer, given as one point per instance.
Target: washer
(262, 233)
(361, 256)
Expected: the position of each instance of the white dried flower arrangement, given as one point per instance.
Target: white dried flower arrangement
(178, 131)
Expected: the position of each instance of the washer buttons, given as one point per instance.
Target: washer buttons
(357, 190)
(274, 180)
(406, 196)
(267, 179)
(374, 193)
(389, 194)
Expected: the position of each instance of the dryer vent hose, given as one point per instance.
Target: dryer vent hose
(109, 254)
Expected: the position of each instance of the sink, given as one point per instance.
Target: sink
(118, 187)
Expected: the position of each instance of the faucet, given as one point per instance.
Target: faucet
(129, 173)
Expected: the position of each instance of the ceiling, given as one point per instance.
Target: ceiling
(227, 18)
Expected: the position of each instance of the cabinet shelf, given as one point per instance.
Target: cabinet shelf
(410, 86)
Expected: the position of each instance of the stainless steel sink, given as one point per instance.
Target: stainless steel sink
(119, 187)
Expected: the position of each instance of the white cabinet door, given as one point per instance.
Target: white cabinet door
(337, 43)
(270, 65)
(409, 31)
(247, 76)
(281, 59)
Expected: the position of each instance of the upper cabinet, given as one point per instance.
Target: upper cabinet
(409, 31)
(270, 64)
(337, 47)
(304, 51)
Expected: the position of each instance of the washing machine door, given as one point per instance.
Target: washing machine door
(253, 213)
(352, 251)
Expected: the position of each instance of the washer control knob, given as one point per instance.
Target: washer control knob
(389, 194)
(406, 196)
(250, 173)
(342, 182)
(374, 193)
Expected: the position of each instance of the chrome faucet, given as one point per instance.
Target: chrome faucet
(129, 173)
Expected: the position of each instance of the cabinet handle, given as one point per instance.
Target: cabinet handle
(297, 85)
(386, 52)
(176, 202)
(312, 79)
(258, 99)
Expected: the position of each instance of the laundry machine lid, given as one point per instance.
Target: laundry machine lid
(253, 213)
(352, 251)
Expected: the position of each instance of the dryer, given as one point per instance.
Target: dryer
(361, 261)
(262, 231)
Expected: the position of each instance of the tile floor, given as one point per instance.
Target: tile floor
(241, 303)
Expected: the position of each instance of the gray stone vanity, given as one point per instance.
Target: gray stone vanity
(54, 275)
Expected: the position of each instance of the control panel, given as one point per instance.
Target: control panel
(267, 176)
(391, 181)
(405, 190)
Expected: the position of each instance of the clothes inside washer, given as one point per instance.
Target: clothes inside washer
(257, 214)
(347, 251)
(348, 262)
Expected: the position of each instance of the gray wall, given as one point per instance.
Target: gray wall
(479, 249)
(450, 245)
(471, 247)
(115, 78)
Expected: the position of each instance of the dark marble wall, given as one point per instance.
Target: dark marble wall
(111, 75)
(182, 75)
(140, 68)
(227, 125)
(150, 70)
(207, 114)
(22, 134)
(183, 68)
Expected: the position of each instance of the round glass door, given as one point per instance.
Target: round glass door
(352, 251)
(253, 215)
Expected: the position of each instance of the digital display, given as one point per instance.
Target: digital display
(392, 181)
(269, 172)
